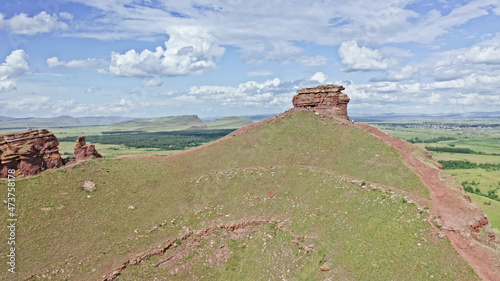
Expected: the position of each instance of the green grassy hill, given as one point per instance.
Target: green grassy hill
(229, 123)
(299, 198)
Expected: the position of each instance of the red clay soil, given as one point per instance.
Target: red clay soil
(459, 217)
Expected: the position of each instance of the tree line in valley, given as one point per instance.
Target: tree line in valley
(473, 187)
(171, 140)
(431, 140)
(457, 150)
(465, 164)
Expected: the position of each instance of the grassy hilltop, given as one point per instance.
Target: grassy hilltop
(301, 197)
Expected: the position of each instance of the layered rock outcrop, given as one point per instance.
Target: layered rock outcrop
(29, 152)
(83, 151)
(328, 98)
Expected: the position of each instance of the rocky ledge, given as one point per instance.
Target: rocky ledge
(329, 98)
(29, 152)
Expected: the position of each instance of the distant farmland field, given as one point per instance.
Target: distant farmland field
(468, 151)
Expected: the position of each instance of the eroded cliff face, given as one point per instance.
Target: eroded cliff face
(329, 98)
(29, 152)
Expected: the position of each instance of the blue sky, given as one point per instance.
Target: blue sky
(150, 58)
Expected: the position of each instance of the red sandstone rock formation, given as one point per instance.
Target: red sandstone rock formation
(328, 98)
(84, 151)
(29, 152)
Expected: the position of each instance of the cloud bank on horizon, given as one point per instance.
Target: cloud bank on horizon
(148, 58)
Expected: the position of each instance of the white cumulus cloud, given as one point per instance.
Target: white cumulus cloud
(487, 55)
(153, 83)
(320, 77)
(37, 105)
(76, 64)
(15, 66)
(280, 52)
(41, 23)
(92, 89)
(357, 58)
(260, 73)
(267, 94)
(405, 73)
(434, 98)
(465, 99)
(66, 16)
(272, 93)
(189, 50)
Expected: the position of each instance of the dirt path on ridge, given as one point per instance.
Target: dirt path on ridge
(456, 214)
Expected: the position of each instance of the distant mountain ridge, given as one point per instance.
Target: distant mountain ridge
(102, 120)
(69, 121)
(167, 123)
(119, 123)
(60, 121)
(254, 117)
(181, 122)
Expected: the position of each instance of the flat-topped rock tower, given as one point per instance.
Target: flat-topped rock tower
(327, 98)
